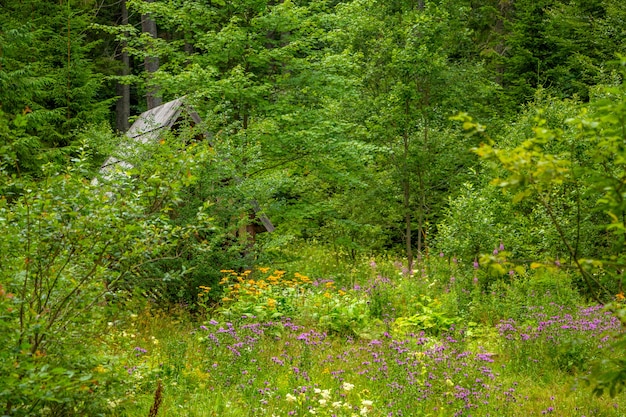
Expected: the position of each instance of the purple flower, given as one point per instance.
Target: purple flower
(476, 263)
(140, 351)
(495, 251)
(501, 246)
(441, 254)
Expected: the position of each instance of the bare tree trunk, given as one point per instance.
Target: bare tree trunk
(406, 193)
(408, 231)
(504, 7)
(151, 63)
(122, 107)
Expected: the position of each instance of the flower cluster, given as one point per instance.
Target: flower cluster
(260, 293)
(325, 402)
(409, 374)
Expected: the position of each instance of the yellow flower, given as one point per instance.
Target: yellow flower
(224, 271)
(264, 270)
(302, 278)
(327, 294)
(329, 284)
(342, 293)
(620, 296)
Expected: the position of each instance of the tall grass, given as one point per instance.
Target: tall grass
(447, 340)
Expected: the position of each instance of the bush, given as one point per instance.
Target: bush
(68, 250)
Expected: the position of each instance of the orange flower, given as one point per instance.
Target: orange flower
(620, 296)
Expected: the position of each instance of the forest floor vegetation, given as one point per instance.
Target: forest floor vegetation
(447, 340)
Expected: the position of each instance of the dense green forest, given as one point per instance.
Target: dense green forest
(443, 155)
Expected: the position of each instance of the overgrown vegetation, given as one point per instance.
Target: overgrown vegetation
(446, 179)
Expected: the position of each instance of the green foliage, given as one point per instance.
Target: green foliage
(551, 169)
(471, 221)
(333, 117)
(587, 158)
(346, 314)
(49, 88)
(534, 341)
(429, 319)
(71, 250)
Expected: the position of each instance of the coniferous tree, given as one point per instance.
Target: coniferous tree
(49, 86)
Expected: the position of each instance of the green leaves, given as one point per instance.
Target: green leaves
(68, 248)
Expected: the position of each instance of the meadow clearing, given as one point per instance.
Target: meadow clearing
(450, 339)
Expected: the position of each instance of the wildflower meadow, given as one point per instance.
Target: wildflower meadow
(446, 339)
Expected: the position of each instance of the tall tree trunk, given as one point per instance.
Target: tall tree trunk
(122, 107)
(424, 88)
(406, 194)
(504, 8)
(151, 63)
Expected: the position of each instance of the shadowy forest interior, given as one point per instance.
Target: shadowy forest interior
(323, 207)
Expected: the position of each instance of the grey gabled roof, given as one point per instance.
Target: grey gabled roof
(150, 123)
(147, 128)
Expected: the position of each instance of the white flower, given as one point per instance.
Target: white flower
(347, 386)
(337, 404)
(312, 411)
(367, 403)
(290, 398)
(326, 394)
(322, 402)
(364, 411)
(317, 390)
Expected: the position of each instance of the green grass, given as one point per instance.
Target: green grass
(406, 358)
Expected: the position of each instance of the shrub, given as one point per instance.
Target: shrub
(67, 249)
